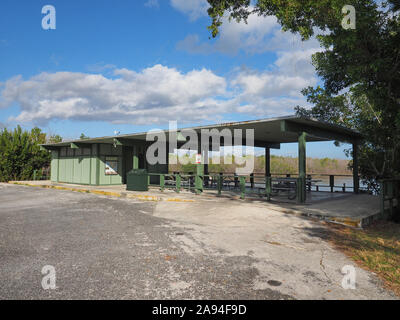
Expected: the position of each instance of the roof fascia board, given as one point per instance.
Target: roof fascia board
(289, 126)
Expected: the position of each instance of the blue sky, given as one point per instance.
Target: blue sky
(133, 65)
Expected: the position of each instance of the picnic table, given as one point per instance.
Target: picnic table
(289, 185)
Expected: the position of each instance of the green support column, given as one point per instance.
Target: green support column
(301, 183)
(162, 182)
(268, 188)
(178, 182)
(198, 183)
(356, 181)
(167, 151)
(219, 183)
(206, 160)
(198, 180)
(268, 180)
(242, 187)
(135, 163)
(267, 162)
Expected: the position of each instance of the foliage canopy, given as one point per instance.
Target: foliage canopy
(21, 154)
(360, 68)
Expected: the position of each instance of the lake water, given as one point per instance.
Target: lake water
(324, 183)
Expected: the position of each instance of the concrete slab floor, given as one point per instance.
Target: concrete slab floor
(122, 248)
(289, 249)
(349, 209)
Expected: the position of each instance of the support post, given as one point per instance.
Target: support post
(206, 160)
(268, 187)
(331, 182)
(178, 182)
(135, 160)
(242, 187)
(219, 183)
(268, 180)
(162, 182)
(356, 181)
(198, 179)
(301, 185)
(167, 157)
(267, 162)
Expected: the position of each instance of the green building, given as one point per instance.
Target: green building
(98, 161)
(107, 160)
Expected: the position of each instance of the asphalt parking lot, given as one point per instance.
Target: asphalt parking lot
(110, 248)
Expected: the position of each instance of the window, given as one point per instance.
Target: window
(111, 167)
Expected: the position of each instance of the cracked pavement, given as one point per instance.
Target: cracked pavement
(110, 248)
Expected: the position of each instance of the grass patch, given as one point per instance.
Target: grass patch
(376, 248)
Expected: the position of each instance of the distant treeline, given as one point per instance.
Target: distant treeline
(279, 165)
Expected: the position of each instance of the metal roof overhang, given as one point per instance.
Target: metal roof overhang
(267, 133)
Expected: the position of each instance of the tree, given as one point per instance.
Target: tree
(360, 68)
(21, 154)
(55, 138)
(83, 136)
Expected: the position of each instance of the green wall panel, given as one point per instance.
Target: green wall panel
(77, 169)
(85, 178)
(62, 169)
(81, 170)
(69, 170)
(87, 166)
(54, 166)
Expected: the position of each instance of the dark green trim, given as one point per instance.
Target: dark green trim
(267, 162)
(302, 155)
(301, 194)
(271, 145)
(77, 145)
(288, 126)
(135, 163)
(242, 183)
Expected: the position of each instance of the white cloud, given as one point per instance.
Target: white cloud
(159, 93)
(297, 62)
(291, 72)
(259, 35)
(274, 91)
(153, 95)
(193, 8)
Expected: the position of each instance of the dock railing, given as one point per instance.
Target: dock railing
(289, 185)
